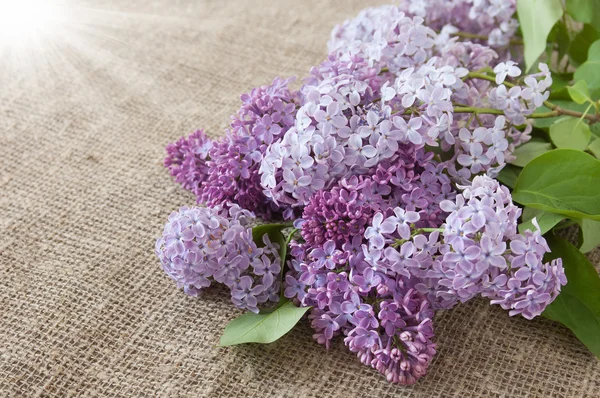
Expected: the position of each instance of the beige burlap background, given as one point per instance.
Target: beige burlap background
(85, 309)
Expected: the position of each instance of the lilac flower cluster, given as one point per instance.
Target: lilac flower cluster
(368, 158)
(487, 256)
(488, 21)
(479, 252)
(227, 170)
(202, 245)
(186, 160)
(518, 102)
(384, 319)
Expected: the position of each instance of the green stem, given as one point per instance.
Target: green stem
(467, 35)
(475, 110)
(287, 244)
(483, 76)
(275, 225)
(430, 229)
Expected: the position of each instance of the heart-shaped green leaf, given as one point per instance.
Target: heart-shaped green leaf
(537, 17)
(579, 92)
(578, 304)
(263, 328)
(530, 150)
(563, 181)
(588, 71)
(570, 132)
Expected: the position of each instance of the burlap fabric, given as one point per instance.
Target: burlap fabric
(85, 309)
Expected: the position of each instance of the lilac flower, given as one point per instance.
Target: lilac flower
(328, 325)
(294, 288)
(410, 129)
(475, 160)
(338, 214)
(354, 305)
(337, 281)
(331, 118)
(402, 219)
(295, 180)
(367, 280)
(503, 69)
(326, 255)
(358, 151)
(187, 160)
(374, 234)
(232, 172)
(200, 245)
(401, 261)
(244, 294)
(479, 233)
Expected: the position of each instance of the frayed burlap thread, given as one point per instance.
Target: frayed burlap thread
(85, 310)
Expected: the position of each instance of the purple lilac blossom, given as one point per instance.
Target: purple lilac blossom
(479, 253)
(186, 160)
(488, 18)
(351, 121)
(487, 256)
(266, 114)
(203, 245)
(382, 317)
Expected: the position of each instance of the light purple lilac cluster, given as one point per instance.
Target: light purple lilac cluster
(385, 162)
(476, 252)
(489, 22)
(519, 101)
(201, 245)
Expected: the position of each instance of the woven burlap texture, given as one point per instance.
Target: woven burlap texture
(85, 309)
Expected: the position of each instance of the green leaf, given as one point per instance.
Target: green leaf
(595, 127)
(580, 45)
(558, 89)
(579, 92)
(547, 122)
(264, 327)
(530, 150)
(546, 220)
(588, 71)
(508, 175)
(578, 304)
(586, 11)
(537, 17)
(561, 37)
(590, 234)
(563, 181)
(570, 132)
(275, 235)
(594, 147)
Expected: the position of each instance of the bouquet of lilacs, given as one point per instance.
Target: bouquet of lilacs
(384, 187)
